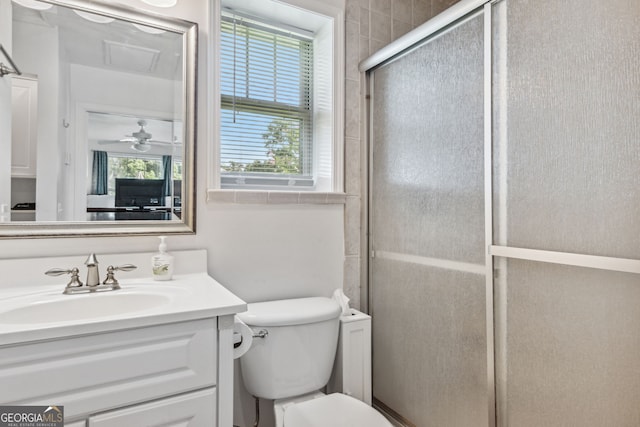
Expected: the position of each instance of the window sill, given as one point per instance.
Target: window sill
(262, 197)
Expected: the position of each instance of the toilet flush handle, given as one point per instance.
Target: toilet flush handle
(262, 333)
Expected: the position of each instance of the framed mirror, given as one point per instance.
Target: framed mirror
(102, 121)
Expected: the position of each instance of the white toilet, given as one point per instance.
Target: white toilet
(294, 361)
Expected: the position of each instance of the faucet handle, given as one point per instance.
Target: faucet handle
(111, 279)
(74, 282)
(59, 271)
(125, 267)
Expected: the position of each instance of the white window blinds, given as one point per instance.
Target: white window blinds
(266, 129)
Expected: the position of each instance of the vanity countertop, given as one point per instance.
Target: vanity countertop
(41, 312)
(186, 297)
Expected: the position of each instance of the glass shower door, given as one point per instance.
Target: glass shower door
(559, 291)
(566, 202)
(427, 241)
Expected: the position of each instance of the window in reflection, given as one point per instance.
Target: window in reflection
(123, 166)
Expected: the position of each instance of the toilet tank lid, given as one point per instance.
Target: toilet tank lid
(288, 312)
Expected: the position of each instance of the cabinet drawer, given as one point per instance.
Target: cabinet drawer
(89, 374)
(195, 409)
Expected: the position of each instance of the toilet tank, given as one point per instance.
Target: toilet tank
(296, 356)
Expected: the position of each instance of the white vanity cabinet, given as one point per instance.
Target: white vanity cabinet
(191, 409)
(161, 375)
(170, 365)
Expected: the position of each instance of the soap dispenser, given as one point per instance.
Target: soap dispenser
(162, 262)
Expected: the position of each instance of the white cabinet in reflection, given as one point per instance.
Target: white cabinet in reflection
(24, 141)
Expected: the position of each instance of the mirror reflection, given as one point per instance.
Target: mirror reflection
(136, 168)
(97, 118)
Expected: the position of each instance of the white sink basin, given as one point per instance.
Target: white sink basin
(42, 312)
(62, 308)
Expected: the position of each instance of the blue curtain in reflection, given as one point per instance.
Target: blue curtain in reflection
(100, 173)
(166, 165)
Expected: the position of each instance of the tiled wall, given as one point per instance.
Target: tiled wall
(371, 25)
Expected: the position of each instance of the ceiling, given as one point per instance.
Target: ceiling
(117, 45)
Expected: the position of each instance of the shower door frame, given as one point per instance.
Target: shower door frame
(495, 299)
(397, 49)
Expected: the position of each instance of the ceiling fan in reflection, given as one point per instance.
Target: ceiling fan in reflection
(140, 140)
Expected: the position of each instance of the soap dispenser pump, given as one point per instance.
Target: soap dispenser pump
(162, 262)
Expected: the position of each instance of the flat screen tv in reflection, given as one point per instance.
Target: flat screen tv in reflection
(140, 193)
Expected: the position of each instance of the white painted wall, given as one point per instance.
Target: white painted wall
(41, 60)
(116, 87)
(65, 135)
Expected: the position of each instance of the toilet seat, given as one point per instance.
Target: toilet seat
(333, 410)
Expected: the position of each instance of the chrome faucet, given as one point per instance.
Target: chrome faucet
(93, 277)
(93, 274)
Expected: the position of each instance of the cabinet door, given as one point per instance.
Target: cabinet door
(197, 409)
(24, 106)
(93, 373)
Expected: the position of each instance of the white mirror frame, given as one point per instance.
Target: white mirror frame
(189, 30)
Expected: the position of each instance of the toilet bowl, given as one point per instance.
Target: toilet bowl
(291, 360)
(333, 410)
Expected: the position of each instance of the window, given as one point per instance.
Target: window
(266, 105)
(122, 166)
(140, 167)
(279, 97)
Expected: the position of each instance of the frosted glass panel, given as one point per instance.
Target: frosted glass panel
(573, 346)
(427, 208)
(427, 144)
(566, 103)
(429, 344)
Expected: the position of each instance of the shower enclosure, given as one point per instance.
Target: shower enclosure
(504, 216)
